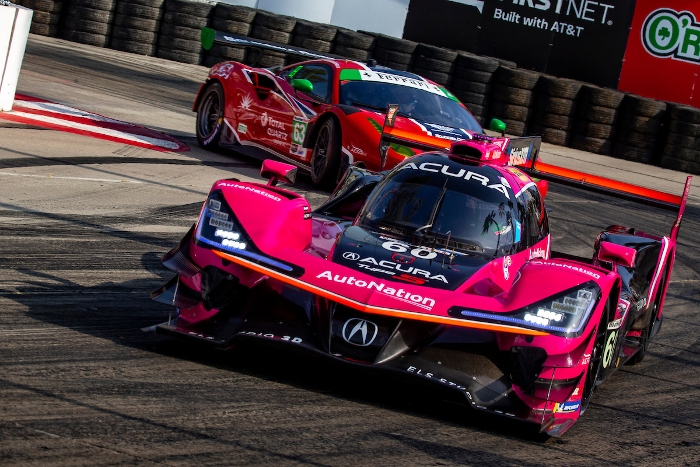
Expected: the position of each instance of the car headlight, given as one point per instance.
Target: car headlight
(563, 314)
(217, 227)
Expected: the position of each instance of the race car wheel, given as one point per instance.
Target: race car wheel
(646, 333)
(325, 159)
(210, 116)
(596, 361)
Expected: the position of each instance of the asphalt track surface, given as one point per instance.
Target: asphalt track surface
(83, 224)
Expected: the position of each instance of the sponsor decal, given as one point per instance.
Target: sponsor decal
(567, 407)
(296, 340)
(360, 332)
(609, 349)
(575, 393)
(668, 33)
(573, 268)
(403, 259)
(307, 215)
(355, 150)
(538, 253)
(246, 101)
(219, 223)
(518, 227)
(612, 325)
(518, 156)
(214, 204)
(418, 371)
(399, 247)
(219, 215)
(400, 294)
(585, 361)
(623, 306)
(223, 71)
(351, 256)
(390, 78)
(506, 264)
(299, 126)
(372, 264)
(461, 173)
(587, 10)
(251, 188)
(242, 128)
(642, 303)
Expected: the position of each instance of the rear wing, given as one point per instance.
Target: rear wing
(209, 37)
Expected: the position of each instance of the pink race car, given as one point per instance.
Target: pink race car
(441, 268)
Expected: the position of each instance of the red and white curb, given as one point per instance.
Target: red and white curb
(31, 110)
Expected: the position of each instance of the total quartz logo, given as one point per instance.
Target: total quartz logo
(275, 128)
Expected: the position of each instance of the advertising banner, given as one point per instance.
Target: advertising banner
(663, 52)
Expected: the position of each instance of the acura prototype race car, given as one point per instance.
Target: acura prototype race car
(324, 114)
(441, 268)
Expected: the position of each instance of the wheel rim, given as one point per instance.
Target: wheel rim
(210, 115)
(319, 158)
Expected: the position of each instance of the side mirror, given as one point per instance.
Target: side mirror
(542, 185)
(278, 171)
(618, 254)
(498, 125)
(303, 85)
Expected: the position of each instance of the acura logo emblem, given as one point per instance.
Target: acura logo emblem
(351, 256)
(359, 332)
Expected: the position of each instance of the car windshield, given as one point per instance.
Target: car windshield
(414, 103)
(464, 213)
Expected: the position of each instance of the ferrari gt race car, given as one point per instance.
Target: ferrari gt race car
(440, 269)
(323, 114)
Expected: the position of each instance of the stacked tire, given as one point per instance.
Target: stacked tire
(394, 53)
(640, 123)
(312, 36)
(555, 105)
(512, 98)
(472, 82)
(274, 28)
(353, 45)
(596, 119)
(180, 30)
(233, 19)
(45, 17)
(434, 63)
(89, 21)
(682, 148)
(136, 25)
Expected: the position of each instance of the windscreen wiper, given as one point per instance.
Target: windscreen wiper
(373, 107)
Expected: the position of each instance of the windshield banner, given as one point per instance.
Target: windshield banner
(390, 78)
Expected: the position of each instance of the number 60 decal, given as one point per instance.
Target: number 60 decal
(420, 252)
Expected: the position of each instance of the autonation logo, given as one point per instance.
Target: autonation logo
(668, 33)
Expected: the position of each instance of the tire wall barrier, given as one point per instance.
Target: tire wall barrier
(563, 111)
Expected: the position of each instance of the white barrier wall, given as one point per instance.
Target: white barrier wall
(14, 30)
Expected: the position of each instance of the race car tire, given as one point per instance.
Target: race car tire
(517, 78)
(513, 127)
(474, 62)
(90, 14)
(179, 56)
(590, 144)
(151, 3)
(596, 360)
(139, 11)
(146, 38)
(50, 6)
(475, 75)
(351, 52)
(598, 114)
(272, 59)
(273, 21)
(50, 30)
(386, 55)
(602, 97)
(183, 19)
(199, 9)
(94, 27)
(685, 128)
(560, 122)
(684, 113)
(432, 64)
(183, 32)
(504, 62)
(227, 52)
(210, 116)
(684, 141)
(644, 106)
(233, 27)
(633, 153)
(653, 315)
(175, 43)
(134, 22)
(272, 35)
(106, 5)
(398, 45)
(44, 17)
(512, 95)
(515, 112)
(396, 66)
(478, 110)
(234, 12)
(472, 97)
(135, 47)
(556, 105)
(459, 84)
(325, 157)
(686, 154)
(98, 40)
(312, 44)
(561, 88)
(672, 163)
(551, 135)
(594, 130)
(353, 39)
(436, 53)
(635, 138)
(315, 31)
(440, 78)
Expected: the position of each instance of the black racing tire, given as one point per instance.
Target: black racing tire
(640, 123)
(560, 122)
(602, 97)
(644, 106)
(106, 5)
(44, 17)
(210, 116)
(515, 112)
(353, 39)
(684, 113)
(134, 22)
(646, 333)
(598, 114)
(183, 19)
(459, 84)
(312, 44)
(176, 43)
(633, 153)
(436, 53)
(234, 12)
(561, 88)
(672, 163)
(239, 28)
(683, 141)
(385, 55)
(272, 35)
(551, 135)
(94, 27)
(179, 56)
(50, 6)
(513, 127)
(589, 144)
(182, 32)
(399, 45)
(351, 52)
(475, 62)
(133, 47)
(325, 156)
(686, 154)
(90, 14)
(478, 110)
(199, 9)
(634, 138)
(139, 11)
(595, 364)
(211, 60)
(50, 30)
(556, 105)
(512, 95)
(432, 64)
(442, 79)
(150, 3)
(317, 31)
(227, 52)
(98, 40)
(685, 128)
(395, 66)
(472, 97)
(132, 36)
(594, 130)
(272, 59)
(273, 21)
(475, 75)
(517, 78)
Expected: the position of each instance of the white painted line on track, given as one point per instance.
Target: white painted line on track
(109, 180)
(64, 109)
